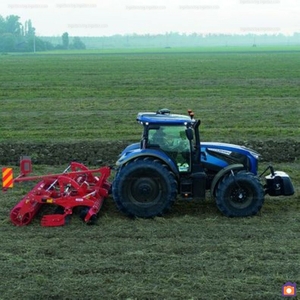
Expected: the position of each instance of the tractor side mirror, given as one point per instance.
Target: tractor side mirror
(189, 133)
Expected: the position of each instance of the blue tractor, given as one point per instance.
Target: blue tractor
(170, 161)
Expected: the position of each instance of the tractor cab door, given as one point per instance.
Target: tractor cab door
(173, 141)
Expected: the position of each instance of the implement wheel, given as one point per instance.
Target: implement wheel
(240, 195)
(144, 188)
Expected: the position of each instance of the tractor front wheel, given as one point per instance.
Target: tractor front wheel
(240, 195)
(144, 188)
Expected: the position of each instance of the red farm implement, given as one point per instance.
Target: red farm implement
(77, 186)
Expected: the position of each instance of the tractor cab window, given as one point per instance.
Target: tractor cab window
(173, 141)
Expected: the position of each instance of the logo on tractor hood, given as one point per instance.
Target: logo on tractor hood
(226, 152)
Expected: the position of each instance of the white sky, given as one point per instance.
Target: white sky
(108, 17)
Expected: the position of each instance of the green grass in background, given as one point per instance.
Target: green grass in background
(84, 97)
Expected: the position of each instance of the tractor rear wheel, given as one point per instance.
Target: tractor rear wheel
(144, 188)
(240, 195)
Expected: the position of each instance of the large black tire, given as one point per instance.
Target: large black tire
(240, 195)
(144, 188)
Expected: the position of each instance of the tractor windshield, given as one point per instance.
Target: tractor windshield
(173, 141)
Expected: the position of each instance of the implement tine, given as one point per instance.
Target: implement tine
(53, 220)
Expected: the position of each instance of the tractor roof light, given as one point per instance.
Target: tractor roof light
(191, 114)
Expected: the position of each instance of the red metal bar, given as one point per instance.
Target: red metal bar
(51, 176)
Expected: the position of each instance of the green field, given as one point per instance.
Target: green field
(191, 253)
(60, 97)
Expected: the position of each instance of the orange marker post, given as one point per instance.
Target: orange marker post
(7, 178)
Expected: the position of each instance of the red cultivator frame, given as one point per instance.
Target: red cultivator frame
(77, 186)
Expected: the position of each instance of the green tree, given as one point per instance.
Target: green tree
(16, 37)
(12, 25)
(77, 43)
(29, 29)
(7, 42)
(2, 25)
(65, 40)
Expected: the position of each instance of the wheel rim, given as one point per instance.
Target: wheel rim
(26, 218)
(240, 196)
(144, 191)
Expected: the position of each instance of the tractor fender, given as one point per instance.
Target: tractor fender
(222, 173)
(148, 153)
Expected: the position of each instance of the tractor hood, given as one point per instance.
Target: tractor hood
(226, 148)
(220, 155)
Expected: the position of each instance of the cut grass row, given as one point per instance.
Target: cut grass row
(85, 97)
(110, 120)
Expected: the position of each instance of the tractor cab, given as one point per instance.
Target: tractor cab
(173, 141)
(173, 134)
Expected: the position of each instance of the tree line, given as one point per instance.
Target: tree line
(18, 37)
(175, 39)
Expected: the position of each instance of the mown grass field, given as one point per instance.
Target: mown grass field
(191, 253)
(68, 97)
